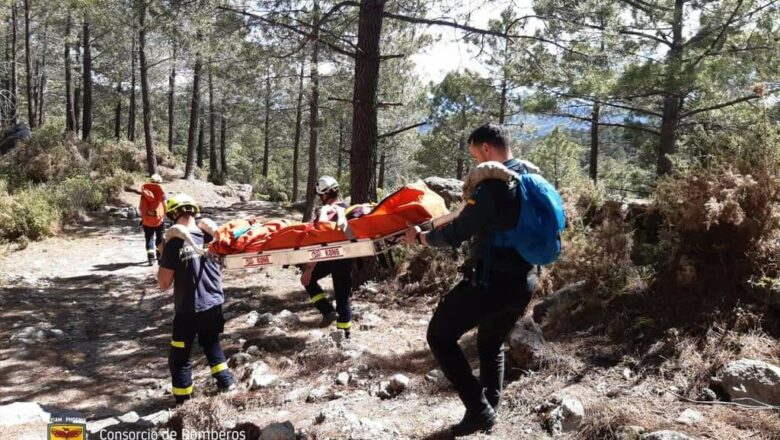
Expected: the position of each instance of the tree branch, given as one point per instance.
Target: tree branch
(721, 105)
(607, 124)
(401, 130)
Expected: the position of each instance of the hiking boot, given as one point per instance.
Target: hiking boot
(151, 262)
(226, 388)
(328, 319)
(479, 418)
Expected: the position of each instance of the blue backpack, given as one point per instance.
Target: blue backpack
(537, 235)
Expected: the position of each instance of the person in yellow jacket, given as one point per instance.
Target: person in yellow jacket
(152, 210)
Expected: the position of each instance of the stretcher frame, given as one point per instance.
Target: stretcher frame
(339, 250)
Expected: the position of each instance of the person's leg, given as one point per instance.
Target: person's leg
(317, 295)
(179, 356)
(158, 238)
(149, 238)
(210, 325)
(494, 329)
(342, 285)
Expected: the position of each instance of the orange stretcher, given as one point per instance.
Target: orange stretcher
(284, 243)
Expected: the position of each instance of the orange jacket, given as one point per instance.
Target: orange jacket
(152, 206)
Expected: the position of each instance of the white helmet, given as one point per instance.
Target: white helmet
(325, 184)
(155, 178)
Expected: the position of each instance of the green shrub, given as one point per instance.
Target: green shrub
(30, 213)
(113, 185)
(78, 194)
(271, 188)
(110, 156)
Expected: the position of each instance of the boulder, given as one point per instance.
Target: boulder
(566, 417)
(251, 318)
(690, 417)
(451, 190)
(99, 425)
(131, 417)
(278, 431)
(342, 378)
(751, 382)
(436, 377)
(629, 432)
(265, 380)
(526, 345)
(287, 318)
(13, 134)
(19, 413)
(398, 384)
(665, 435)
(566, 295)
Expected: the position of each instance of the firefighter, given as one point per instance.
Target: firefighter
(340, 270)
(198, 298)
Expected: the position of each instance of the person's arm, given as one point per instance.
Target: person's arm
(472, 218)
(306, 275)
(168, 262)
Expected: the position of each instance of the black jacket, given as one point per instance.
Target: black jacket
(494, 206)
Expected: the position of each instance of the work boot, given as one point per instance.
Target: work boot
(480, 417)
(151, 261)
(328, 319)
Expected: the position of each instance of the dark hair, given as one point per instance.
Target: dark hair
(490, 133)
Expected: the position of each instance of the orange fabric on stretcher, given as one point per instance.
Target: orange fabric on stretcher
(226, 242)
(414, 203)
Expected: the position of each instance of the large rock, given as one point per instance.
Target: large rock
(566, 417)
(451, 190)
(33, 335)
(566, 295)
(665, 435)
(750, 382)
(13, 134)
(278, 431)
(526, 345)
(689, 417)
(19, 413)
(287, 318)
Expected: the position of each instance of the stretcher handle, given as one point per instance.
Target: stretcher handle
(439, 221)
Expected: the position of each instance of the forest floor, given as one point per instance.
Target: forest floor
(93, 284)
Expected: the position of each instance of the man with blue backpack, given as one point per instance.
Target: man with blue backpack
(499, 279)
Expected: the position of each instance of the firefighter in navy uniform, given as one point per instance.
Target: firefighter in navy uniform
(495, 290)
(198, 298)
(341, 270)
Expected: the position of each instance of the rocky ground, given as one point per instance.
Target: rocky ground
(85, 330)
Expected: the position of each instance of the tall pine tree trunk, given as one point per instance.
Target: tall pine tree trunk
(593, 166)
(192, 133)
(223, 144)
(201, 142)
(151, 158)
(670, 119)
(213, 167)
(31, 119)
(43, 78)
(77, 89)
(132, 107)
(118, 112)
(14, 77)
(86, 129)
(381, 183)
(267, 122)
(364, 98)
(340, 151)
(297, 137)
(314, 117)
(70, 118)
(172, 100)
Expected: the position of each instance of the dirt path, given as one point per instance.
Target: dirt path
(95, 332)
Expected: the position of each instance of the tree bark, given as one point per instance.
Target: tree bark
(86, 129)
(201, 142)
(314, 120)
(381, 181)
(213, 166)
(223, 144)
(364, 98)
(670, 118)
(132, 108)
(192, 133)
(118, 112)
(593, 165)
(171, 100)
(340, 152)
(151, 158)
(70, 118)
(14, 78)
(297, 138)
(43, 78)
(267, 121)
(31, 119)
(77, 89)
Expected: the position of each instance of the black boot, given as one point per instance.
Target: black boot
(479, 417)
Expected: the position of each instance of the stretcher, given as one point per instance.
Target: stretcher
(339, 250)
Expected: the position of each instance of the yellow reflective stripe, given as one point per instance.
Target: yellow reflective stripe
(150, 252)
(471, 202)
(343, 325)
(219, 367)
(177, 344)
(317, 297)
(182, 391)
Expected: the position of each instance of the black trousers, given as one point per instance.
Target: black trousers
(154, 237)
(206, 326)
(494, 310)
(341, 271)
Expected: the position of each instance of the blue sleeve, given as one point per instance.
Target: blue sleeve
(170, 255)
(474, 216)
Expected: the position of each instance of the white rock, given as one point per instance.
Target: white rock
(99, 425)
(399, 383)
(278, 431)
(288, 318)
(567, 416)
(435, 376)
(263, 381)
(665, 435)
(251, 318)
(18, 413)
(157, 418)
(130, 417)
(253, 350)
(240, 359)
(690, 417)
(318, 393)
(746, 380)
(342, 378)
